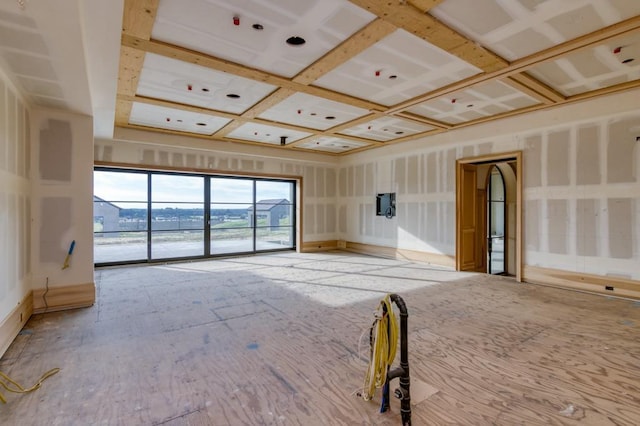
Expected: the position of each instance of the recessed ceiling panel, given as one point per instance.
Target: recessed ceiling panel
(395, 69)
(387, 128)
(255, 32)
(590, 69)
(175, 119)
(186, 83)
(313, 112)
(482, 100)
(266, 134)
(331, 144)
(518, 28)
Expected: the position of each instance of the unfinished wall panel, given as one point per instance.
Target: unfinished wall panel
(400, 175)
(12, 132)
(15, 210)
(558, 158)
(342, 182)
(12, 238)
(450, 174)
(412, 224)
(320, 182)
(20, 141)
(623, 152)
(56, 214)
(588, 156)
(56, 143)
(532, 225)
(310, 219)
(413, 175)
(532, 162)
(320, 219)
(342, 219)
(330, 218)
(621, 227)
(432, 221)
(359, 180)
(148, 156)
(331, 182)
(432, 172)
(587, 224)
(557, 226)
(3, 128)
(310, 181)
(177, 160)
(369, 179)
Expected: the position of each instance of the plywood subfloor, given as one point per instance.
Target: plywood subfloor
(273, 340)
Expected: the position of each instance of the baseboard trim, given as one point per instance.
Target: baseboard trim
(65, 297)
(311, 246)
(13, 323)
(618, 287)
(403, 254)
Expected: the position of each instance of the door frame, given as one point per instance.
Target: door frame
(491, 159)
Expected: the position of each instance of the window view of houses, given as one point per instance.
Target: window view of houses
(143, 216)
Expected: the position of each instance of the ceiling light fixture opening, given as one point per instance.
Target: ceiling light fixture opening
(296, 41)
(628, 60)
(204, 89)
(330, 117)
(201, 124)
(393, 77)
(233, 96)
(257, 27)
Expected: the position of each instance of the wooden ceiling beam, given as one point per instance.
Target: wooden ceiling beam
(410, 18)
(357, 43)
(523, 82)
(137, 20)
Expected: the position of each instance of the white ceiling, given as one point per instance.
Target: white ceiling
(371, 73)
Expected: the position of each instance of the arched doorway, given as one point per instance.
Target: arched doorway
(489, 214)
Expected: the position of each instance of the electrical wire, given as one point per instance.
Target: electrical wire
(11, 385)
(384, 341)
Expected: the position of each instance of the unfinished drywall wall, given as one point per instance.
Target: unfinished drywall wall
(15, 198)
(320, 214)
(580, 177)
(62, 190)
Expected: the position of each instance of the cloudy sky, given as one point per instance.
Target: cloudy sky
(120, 187)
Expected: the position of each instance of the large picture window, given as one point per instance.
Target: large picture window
(144, 216)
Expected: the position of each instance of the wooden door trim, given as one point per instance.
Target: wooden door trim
(484, 159)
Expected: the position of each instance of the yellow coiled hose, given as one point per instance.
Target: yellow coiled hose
(384, 333)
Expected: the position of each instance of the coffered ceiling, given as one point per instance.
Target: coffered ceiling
(370, 73)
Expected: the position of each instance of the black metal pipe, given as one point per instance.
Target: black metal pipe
(401, 372)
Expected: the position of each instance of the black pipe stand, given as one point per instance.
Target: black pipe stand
(402, 371)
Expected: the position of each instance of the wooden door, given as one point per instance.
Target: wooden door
(468, 216)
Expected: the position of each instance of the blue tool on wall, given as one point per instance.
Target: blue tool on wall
(69, 253)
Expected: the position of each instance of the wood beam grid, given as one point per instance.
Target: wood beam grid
(190, 56)
(238, 118)
(521, 65)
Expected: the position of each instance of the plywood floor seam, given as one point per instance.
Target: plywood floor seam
(274, 340)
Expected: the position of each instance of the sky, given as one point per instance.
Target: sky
(117, 187)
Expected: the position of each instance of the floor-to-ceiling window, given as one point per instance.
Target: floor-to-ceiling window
(143, 216)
